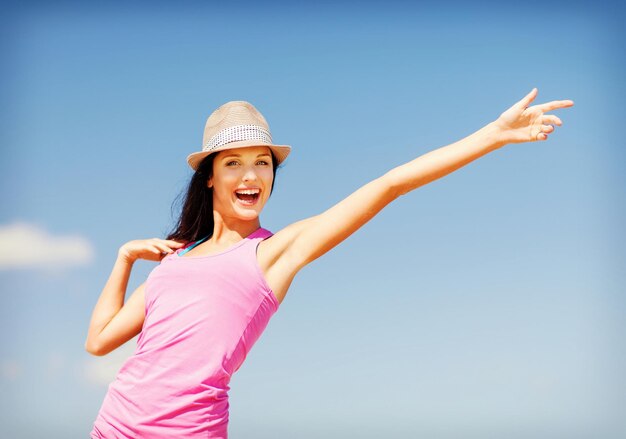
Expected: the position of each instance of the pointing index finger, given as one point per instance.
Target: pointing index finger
(554, 105)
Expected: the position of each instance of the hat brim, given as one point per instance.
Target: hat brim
(280, 151)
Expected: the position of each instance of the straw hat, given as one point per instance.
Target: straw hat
(236, 124)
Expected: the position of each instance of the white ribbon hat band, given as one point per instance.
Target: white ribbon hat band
(238, 133)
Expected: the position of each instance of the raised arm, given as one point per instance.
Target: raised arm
(309, 239)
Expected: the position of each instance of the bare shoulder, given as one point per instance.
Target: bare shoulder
(275, 260)
(272, 248)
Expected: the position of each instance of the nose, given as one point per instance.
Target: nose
(249, 174)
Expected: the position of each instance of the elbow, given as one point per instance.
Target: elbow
(91, 349)
(394, 185)
(94, 349)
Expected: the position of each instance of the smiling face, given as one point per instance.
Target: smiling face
(242, 180)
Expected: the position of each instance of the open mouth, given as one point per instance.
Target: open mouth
(248, 197)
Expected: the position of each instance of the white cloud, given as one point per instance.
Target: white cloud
(29, 246)
(103, 370)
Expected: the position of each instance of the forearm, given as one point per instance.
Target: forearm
(111, 299)
(442, 161)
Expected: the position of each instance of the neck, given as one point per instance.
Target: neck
(226, 230)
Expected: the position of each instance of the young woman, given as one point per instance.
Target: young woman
(222, 276)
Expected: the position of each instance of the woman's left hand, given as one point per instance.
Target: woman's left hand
(522, 123)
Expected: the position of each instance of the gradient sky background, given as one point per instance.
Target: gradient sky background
(489, 303)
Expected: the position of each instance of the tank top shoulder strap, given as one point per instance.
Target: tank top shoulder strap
(191, 245)
(260, 234)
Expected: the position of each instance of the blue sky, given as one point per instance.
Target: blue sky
(487, 303)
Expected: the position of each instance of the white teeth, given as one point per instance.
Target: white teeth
(248, 191)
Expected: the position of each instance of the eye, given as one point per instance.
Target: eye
(263, 162)
(232, 163)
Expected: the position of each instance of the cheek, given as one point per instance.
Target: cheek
(268, 176)
(224, 179)
(223, 187)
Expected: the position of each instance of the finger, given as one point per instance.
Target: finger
(542, 136)
(165, 249)
(526, 100)
(157, 250)
(174, 243)
(160, 249)
(554, 105)
(551, 119)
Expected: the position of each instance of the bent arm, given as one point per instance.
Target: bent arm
(113, 323)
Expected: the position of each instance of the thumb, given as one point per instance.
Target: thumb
(526, 100)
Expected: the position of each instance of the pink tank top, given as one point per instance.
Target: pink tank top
(203, 315)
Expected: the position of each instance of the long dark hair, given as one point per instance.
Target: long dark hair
(196, 217)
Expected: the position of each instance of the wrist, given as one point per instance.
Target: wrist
(495, 134)
(123, 256)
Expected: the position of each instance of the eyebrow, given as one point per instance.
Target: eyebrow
(239, 155)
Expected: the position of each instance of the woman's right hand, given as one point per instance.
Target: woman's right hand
(153, 249)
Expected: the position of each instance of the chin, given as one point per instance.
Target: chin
(247, 215)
